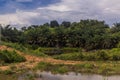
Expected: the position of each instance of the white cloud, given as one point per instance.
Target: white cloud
(20, 17)
(61, 8)
(71, 10)
(24, 0)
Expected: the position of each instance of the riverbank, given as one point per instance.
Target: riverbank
(47, 63)
(85, 67)
(98, 67)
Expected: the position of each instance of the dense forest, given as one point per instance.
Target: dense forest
(86, 34)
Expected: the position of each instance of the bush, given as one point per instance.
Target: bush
(115, 57)
(61, 69)
(70, 50)
(11, 57)
(70, 56)
(57, 51)
(8, 72)
(37, 53)
(15, 46)
(115, 54)
(43, 65)
(102, 55)
(51, 51)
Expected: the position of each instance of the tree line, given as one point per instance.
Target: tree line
(87, 34)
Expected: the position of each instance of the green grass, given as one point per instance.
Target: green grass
(99, 62)
(16, 46)
(100, 55)
(10, 57)
(25, 48)
(98, 67)
(54, 68)
(36, 52)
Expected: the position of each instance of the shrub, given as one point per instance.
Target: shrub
(102, 55)
(53, 51)
(11, 57)
(115, 57)
(60, 69)
(57, 51)
(70, 50)
(37, 52)
(43, 65)
(15, 46)
(89, 66)
(7, 72)
(70, 56)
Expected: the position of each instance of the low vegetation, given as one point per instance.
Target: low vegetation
(98, 67)
(100, 55)
(10, 57)
(93, 43)
(27, 49)
(87, 34)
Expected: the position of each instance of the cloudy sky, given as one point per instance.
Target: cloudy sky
(27, 12)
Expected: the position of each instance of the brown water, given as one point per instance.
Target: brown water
(72, 76)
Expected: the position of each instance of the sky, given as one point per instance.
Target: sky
(32, 12)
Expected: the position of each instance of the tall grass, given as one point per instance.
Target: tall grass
(16, 46)
(100, 55)
(11, 57)
(98, 67)
(25, 48)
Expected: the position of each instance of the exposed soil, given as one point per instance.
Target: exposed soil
(32, 61)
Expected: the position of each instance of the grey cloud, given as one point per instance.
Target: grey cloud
(72, 10)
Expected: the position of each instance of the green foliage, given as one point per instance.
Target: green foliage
(115, 54)
(30, 77)
(37, 52)
(60, 69)
(70, 50)
(98, 67)
(54, 68)
(100, 55)
(70, 56)
(28, 49)
(16, 46)
(85, 65)
(43, 66)
(87, 34)
(66, 24)
(11, 57)
(10, 34)
(58, 51)
(54, 23)
(8, 72)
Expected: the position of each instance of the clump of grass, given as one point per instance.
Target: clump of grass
(98, 67)
(8, 72)
(37, 52)
(2, 63)
(16, 46)
(11, 57)
(26, 49)
(70, 56)
(43, 66)
(30, 77)
(100, 55)
(60, 69)
(54, 68)
(13, 67)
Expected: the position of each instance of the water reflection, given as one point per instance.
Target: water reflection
(73, 76)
